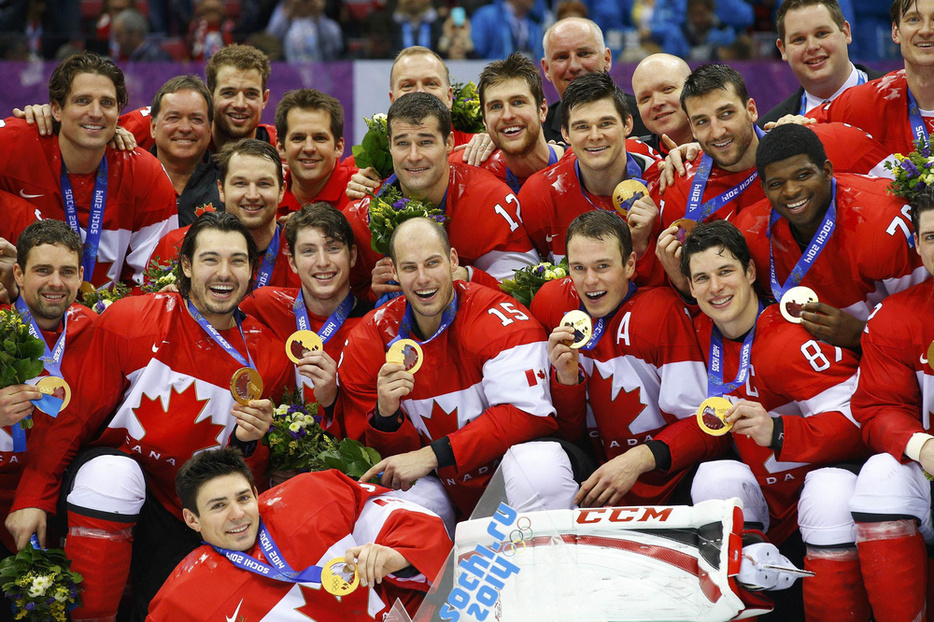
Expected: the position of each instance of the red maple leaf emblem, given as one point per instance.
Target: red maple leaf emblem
(207, 207)
(101, 268)
(541, 374)
(614, 414)
(177, 425)
(441, 422)
(318, 604)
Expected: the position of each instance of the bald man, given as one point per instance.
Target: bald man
(657, 83)
(575, 46)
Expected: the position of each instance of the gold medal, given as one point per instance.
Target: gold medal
(793, 301)
(86, 288)
(56, 387)
(582, 325)
(711, 414)
(302, 340)
(626, 193)
(245, 385)
(338, 577)
(406, 352)
(684, 228)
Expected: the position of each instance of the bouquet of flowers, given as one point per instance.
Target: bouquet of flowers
(40, 584)
(298, 443)
(158, 275)
(913, 172)
(99, 299)
(389, 209)
(526, 282)
(20, 355)
(374, 149)
(466, 115)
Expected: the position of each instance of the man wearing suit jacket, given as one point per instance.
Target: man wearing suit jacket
(813, 37)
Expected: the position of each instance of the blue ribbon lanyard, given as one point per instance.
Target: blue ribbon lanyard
(219, 339)
(599, 324)
(405, 326)
(513, 182)
(95, 220)
(264, 275)
(277, 568)
(633, 171)
(715, 384)
(919, 128)
(699, 212)
(861, 79)
(810, 254)
(331, 325)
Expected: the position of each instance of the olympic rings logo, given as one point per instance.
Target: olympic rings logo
(518, 537)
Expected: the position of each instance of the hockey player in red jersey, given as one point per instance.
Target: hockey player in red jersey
(272, 556)
(250, 183)
(596, 124)
(641, 370)
(121, 202)
(322, 253)
(893, 402)
(158, 384)
(480, 387)
(482, 214)
(790, 412)
(844, 236)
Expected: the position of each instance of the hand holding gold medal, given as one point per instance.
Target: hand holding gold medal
(582, 326)
(56, 387)
(711, 416)
(246, 385)
(793, 301)
(338, 577)
(406, 352)
(626, 193)
(302, 341)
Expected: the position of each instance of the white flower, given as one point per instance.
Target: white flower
(295, 426)
(560, 273)
(549, 274)
(380, 116)
(282, 410)
(39, 586)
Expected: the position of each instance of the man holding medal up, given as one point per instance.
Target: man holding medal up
(475, 385)
(788, 411)
(165, 376)
(844, 237)
(319, 546)
(121, 202)
(315, 319)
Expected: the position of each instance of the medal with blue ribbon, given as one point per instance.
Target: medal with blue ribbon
(406, 351)
(246, 384)
(698, 211)
(92, 240)
(633, 171)
(715, 385)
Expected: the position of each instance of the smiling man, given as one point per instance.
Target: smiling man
(657, 82)
(396, 548)
(310, 126)
(121, 203)
(849, 224)
(157, 386)
(813, 37)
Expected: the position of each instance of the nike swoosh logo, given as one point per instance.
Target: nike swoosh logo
(549, 238)
(234, 616)
(23, 194)
(155, 348)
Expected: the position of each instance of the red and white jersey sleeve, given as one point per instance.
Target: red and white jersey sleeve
(155, 386)
(551, 199)
(869, 255)
(140, 206)
(487, 369)
(645, 373)
(808, 384)
(895, 395)
(313, 518)
(138, 123)
(879, 107)
(851, 149)
(17, 215)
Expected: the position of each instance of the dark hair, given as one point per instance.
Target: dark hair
(788, 141)
(515, 65)
(708, 78)
(319, 215)
(715, 234)
(243, 57)
(85, 62)
(205, 466)
(418, 50)
(309, 99)
(922, 202)
(836, 14)
(592, 87)
(218, 221)
(437, 228)
(601, 225)
(247, 147)
(183, 83)
(899, 8)
(42, 232)
(414, 108)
